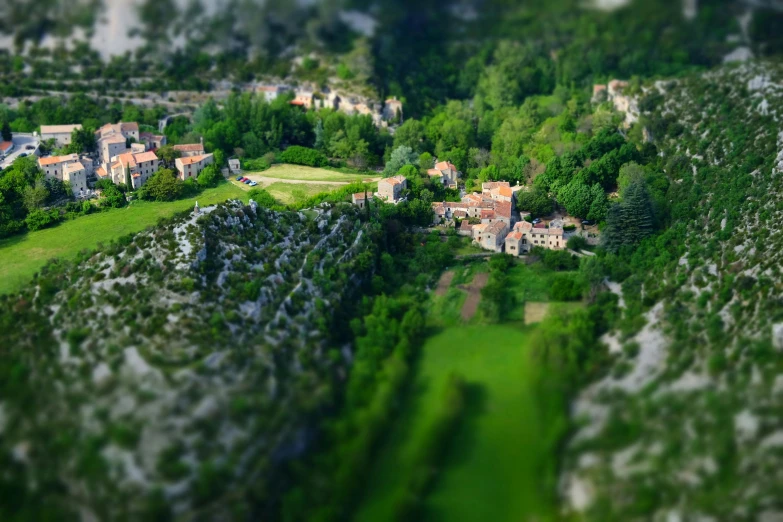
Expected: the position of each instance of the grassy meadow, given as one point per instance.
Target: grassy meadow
(496, 461)
(301, 172)
(23, 255)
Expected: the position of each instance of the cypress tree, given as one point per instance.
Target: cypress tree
(128, 180)
(637, 212)
(612, 236)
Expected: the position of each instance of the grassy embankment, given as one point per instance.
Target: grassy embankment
(23, 255)
(315, 181)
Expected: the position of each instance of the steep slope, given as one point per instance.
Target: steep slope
(172, 370)
(688, 425)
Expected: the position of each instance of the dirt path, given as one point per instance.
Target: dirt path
(444, 283)
(474, 295)
(535, 312)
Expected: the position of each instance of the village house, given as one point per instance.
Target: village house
(444, 172)
(465, 229)
(5, 148)
(67, 168)
(270, 92)
(490, 236)
(234, 166)
(153, 141)
(392, 109)
(75, 173)
(111, 147)
(526, 236)
(190, 149)
(61, 134)
(140, 166)
(191, 166)
(390, 189)
(498, 190)
(128, 130)
(53, 165)
(360, 199)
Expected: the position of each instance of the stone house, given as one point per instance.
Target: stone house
(390, 189)
(191, 166)
(61, 134)
(270, 92)
(67, 168)
(465, 229)
(526, 236)
(75, 173)
(392, 108)
(112, 146)
(490, 236)
(141, 166)
(5, 148)
(360, 199)
(153, 141)
(444, 172)
(53, 165)
(128, 130)
(234, 166)
(498, 191)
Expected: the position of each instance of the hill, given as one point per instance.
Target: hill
(169, 371)
(686, 426)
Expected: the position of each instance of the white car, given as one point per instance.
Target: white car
(253, 183)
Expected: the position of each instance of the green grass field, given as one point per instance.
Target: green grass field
(498, 459)
(287, 193)
(23, 255)
(287, 171)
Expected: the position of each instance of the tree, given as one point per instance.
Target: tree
(210, 176)
(5, 132)
(400, 157)
(630, 221)
(535, 201)
(411, 134)
(162, 186)
(128, 179)
(82, 140)
(168, 155)
(35, 196)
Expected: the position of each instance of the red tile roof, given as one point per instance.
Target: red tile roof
(6, 145)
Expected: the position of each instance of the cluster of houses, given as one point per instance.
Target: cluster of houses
(489, 217)
(123, 155)
(310, 96)
(492, 221)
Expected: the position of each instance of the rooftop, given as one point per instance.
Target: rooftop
(59, 129)
(496, 228)
(193, 159)
(445, 165)
(189, 147)
(52, 160)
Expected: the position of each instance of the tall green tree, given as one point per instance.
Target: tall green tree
(5, 132)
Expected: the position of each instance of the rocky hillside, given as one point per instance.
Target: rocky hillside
(170, 370)
(688, 424)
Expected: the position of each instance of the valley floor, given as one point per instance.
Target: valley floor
(495, 460)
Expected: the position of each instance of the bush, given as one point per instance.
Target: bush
(577, 243)
(210, 176)
(303, 156)
(559, 259)
(565, 288)
(38, 219)
(255, 165)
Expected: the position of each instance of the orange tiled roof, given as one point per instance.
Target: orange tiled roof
(5, 145)
(445, 165)
(51, 160)
(189, 147)
(193, 159)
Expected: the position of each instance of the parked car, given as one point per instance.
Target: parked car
(23, 155)
(29, 147)
(586, 222)
(243, 179)
(253, 183)
(239, 178)
(537, 221)
(247, 182)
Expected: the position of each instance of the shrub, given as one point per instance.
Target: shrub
(38, 219)
(576, 243)
(299, 155)
(565, 288)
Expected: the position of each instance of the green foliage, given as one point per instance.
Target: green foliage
(164, 185)
(630, 221)
(303, 156)
(210, 176)
(38, 219)
(497, 300)
(400, 157)
(5, 131)
(535, 201)
(262, 197)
